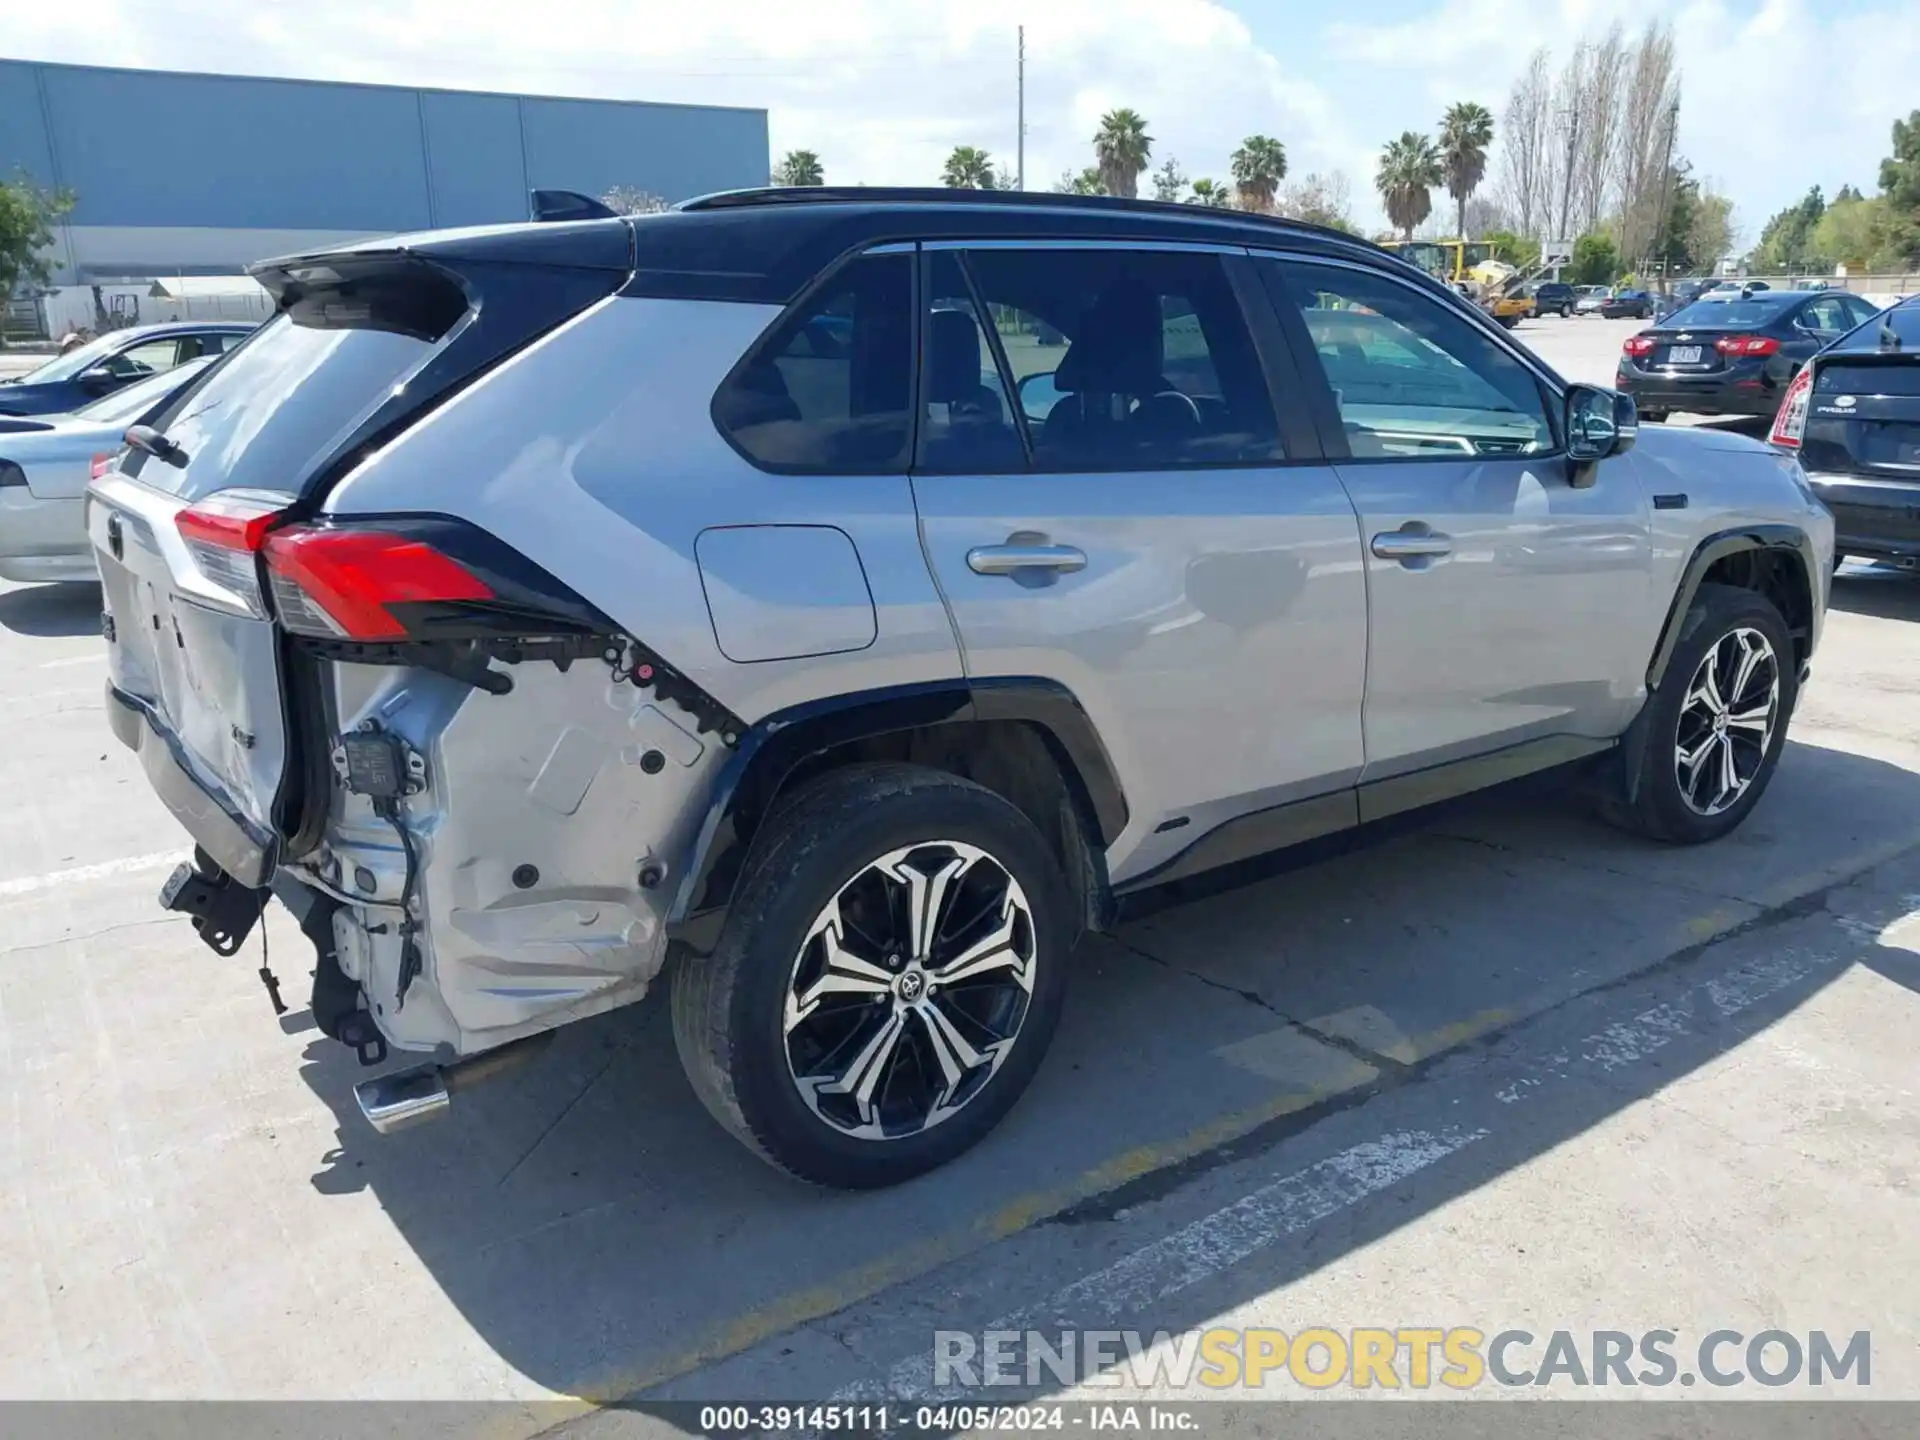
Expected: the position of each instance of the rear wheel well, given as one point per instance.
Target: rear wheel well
(1781, 576)
(1016, 759)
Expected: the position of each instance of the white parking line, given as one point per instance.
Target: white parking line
(1211, 1244)
(94, 659)
(132, 864)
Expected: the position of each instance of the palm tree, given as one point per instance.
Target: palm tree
(799, 167)
(1121, 146)
(969, 168)
(1409, 169)
(1466, 130)
(1259, 165)
(1210, 193)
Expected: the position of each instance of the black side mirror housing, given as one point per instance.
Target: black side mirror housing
(1599, 423)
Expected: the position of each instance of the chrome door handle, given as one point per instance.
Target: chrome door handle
(1411, 544)
(1010, 559)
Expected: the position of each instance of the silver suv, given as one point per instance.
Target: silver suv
(838, 601)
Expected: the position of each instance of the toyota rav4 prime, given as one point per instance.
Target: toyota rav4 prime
(830, 603)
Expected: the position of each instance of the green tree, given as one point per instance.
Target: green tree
(1596, 260)
(1087, 182)
(1211, 194)
(1409, 169)
(1785, 240)
(1900, 188)
(1169, 181)
(27, 216)
(1520, 251)
(799, 167)
(1259, 165)
(969, 168)
(1860, 234)
(1121, 147)
(1466, 132)
(1319, 199)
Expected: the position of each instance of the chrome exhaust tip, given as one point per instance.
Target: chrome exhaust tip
(406, 1097)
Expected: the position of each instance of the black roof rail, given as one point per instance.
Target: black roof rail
(1041, 199)
(569, 205)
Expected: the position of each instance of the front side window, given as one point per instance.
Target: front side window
(147, 359)
(1410, 377)
(828, 391)
(1127, 359)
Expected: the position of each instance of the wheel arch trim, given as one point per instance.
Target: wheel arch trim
(770, 750)
(1788, 539)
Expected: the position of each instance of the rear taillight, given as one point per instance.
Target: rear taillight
(341, 583)
(1790, 424)
(101, 465)
(1639, 345)
(224, 533)
(1747, 345)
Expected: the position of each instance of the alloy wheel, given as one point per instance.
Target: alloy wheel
(910, 990)
(1727, 720)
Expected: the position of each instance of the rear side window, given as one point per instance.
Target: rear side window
(1127, 360)
(299, 383)
(829, 389)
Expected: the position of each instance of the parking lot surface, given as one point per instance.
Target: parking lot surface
(1509, 1069)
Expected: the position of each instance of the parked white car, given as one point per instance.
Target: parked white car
(45, 463)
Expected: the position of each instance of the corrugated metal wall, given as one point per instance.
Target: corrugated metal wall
(191, 154)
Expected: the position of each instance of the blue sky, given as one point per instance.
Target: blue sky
(884, 88)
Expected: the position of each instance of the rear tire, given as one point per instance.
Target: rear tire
(1655, 417)
(827, 1032)
(1710, 738)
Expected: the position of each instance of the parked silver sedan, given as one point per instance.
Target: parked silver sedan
(45, 463)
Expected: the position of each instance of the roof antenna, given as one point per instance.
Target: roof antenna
(569, 205)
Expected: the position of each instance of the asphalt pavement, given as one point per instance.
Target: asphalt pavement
(1510, 1071)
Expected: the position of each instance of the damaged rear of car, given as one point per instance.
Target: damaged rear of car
(298, 674)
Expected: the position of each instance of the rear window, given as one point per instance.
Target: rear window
(1838, 379)
(299, 385)
(1752, 310)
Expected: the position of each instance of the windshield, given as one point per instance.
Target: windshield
(1709, 313)
(65, 367)
(142, 395)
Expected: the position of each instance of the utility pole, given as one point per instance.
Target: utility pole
(1020, 166)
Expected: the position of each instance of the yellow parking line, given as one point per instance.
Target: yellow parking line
(784, 1313)
(787, 1312)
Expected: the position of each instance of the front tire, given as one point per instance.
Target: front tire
(888, 979)
(1711, 736)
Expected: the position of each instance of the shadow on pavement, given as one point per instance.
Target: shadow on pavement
(1878, 590)
(600, 1232)
(52, 610)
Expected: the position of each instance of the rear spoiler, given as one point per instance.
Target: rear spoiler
(550, 205)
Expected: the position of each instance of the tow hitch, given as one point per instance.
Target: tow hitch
(223, 910)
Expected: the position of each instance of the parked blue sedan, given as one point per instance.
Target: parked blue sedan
(1628, 304)
(100, 367)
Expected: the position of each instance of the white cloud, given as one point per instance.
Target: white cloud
(1779, 94)
(882, 90)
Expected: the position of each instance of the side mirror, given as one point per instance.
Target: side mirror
(1038, 395)
(98, 378)
(1599, 423)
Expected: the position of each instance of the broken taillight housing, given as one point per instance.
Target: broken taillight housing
(342, 582)
(224, 533)
(1790, 423)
